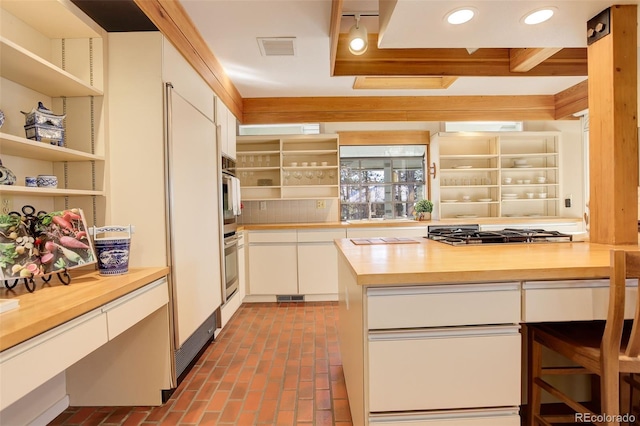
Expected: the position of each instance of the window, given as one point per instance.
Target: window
(381, 181)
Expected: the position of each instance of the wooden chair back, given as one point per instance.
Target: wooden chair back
(624, 264)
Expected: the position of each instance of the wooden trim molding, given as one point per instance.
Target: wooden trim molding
(397, 108)
(387, 137)
(173, 21)
(334, 31)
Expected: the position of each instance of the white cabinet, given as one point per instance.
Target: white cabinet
(30, 364)
(294, 262)
(501, 174)
(288, 167)
(318, 261)
(227, 125)
(409, 358)
(273, 262)
(62, 67)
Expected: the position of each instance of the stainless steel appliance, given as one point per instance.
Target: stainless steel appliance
(231, 270)
(471, 234)
(230, 263)
(228, 174)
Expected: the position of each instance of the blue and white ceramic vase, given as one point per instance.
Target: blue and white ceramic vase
(6, 176)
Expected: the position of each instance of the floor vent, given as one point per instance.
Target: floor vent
(290, 298)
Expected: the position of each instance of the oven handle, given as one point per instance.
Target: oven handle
(230, 241)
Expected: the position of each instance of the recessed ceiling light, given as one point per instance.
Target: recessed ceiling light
(460, 16)
(538, 16)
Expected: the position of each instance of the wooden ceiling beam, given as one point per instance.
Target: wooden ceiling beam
(523, 60)
(334, 32)
(397, 108)
(173, 21)
(572, 100)
(449, 62)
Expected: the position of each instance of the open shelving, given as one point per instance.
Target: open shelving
(53, 53)
(288, 167)
(502, 174)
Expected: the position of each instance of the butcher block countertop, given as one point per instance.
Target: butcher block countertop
(379, 223)
(432, 262)
(52, 305)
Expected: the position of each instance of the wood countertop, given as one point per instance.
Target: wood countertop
(54, 304)
(432, 262)
(401, 223)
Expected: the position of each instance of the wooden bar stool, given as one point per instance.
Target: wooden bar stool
(604, 348)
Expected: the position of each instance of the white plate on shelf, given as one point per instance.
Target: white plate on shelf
(449, 201)
(485, 200)
(522, 166)
(462, 167)
(466, 216)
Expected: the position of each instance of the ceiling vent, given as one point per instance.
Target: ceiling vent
(277, 46)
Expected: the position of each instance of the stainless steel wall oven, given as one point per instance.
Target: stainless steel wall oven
(230, 202)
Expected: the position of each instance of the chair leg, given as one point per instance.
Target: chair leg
(610, 388)
(534, 369)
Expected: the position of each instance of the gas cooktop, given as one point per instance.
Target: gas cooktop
(471, 234)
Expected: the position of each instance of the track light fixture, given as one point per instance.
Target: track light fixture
(358, 37)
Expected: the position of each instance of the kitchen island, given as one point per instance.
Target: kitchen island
(430, 333)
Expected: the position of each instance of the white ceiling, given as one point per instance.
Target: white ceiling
(231, 27)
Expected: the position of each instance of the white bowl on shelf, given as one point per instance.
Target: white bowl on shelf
(519, 162)
(542, 195)
(294, 164)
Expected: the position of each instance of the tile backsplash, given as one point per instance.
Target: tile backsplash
(289, 211)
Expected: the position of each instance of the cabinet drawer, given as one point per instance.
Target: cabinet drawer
(446, 368)
(131, 309)
(30, 364)
(572, 300)
(272, 237)
(320, 236)
(449, 305)
(488, 417)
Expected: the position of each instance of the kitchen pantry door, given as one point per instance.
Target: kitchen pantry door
(195, 234)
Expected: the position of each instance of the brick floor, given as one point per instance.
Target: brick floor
(273, 364)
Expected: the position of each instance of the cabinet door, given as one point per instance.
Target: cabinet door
(273, 269)
(318, 261)
(231, 135)
(318, 268)
(222, 121)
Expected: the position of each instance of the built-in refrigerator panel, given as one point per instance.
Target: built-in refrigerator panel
(192, 207)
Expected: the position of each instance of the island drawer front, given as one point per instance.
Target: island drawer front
(446, 368)
(572, 300)
(25, 367)
(448, 305)
(134, 307)
(489, 417)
